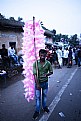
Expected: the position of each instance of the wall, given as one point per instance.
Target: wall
(6, 37)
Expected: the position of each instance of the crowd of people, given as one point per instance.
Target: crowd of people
(57, 56)
(42, 68)
(66, 57)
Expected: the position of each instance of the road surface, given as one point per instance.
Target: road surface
(64, 98)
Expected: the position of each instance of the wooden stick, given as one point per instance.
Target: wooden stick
(35, 45)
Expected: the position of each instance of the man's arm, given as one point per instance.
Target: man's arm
(50, 73)
(50, 70)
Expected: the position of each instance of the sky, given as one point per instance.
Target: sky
(62, 15)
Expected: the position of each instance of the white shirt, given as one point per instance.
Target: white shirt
(59, 53)
(11, 51)
(66, 52)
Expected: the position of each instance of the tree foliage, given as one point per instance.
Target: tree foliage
(20, 19)
(73, 40)
(60, 37)
(1, 16)
(12, 19)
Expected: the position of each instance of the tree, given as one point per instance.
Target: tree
(12, 19)
(57, 38)
(1, 16)
(20, 19)
(54, 31)
(73, 40)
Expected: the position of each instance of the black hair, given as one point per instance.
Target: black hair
(3, 45)
(43, 51)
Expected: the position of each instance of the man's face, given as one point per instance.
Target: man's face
(42, 57)
(12, 47)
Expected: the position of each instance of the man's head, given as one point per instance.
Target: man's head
(3, 45)
(12, 46)
(42, 54)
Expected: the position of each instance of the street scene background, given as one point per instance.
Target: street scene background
(64, 98)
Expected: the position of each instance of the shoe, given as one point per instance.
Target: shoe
(35, 116)
(68, 66)
(46, 110)
(59, 67)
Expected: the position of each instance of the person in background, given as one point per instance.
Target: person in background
(59, 53)
(4, 56)
(41, 81)
(79, 57)
(48, 54)
(65, 56)
(76, 56)
(55, 57)
(12, 54)
(70, 58)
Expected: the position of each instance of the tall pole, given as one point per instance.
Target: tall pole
(35, 45)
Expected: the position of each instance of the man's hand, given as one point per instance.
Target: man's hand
(38, 87)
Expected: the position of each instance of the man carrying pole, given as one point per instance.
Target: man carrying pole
(41, 70)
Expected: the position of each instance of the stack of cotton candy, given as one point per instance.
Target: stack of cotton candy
(28, 50)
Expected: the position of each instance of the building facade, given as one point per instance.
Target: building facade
(11, 32)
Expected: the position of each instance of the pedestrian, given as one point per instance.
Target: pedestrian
(41, 81)
(76, 56)
(48, 54)
(55, 58)
(59, 53)
(65, 56)
(79, 57)
(70, 58)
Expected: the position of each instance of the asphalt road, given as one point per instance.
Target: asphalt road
(64, 98)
